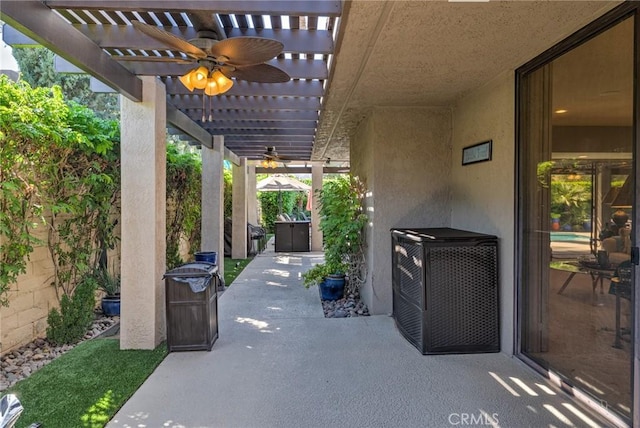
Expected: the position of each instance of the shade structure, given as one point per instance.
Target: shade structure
(281, 183)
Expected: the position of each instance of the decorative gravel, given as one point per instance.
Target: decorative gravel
(350, 306)
(22, 362)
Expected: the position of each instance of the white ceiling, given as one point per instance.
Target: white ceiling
(594, 82)
(430, 53)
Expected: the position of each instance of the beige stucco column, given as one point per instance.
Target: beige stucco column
(239, 232)
(252, 196)
(316, 186)
(212, 227)
(143, 217)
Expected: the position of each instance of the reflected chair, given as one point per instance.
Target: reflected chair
(621, 288)
(618, 247)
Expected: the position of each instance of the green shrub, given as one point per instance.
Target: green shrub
(70, 323)
(270, 207)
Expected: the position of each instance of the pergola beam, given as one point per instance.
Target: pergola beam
(38, 22)
(329, 8)
(182, 122)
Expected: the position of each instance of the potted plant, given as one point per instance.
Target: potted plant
(555, 221)
(110, 285)
(342, 221)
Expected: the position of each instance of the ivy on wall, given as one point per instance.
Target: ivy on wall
(58, 169)
(184, 188)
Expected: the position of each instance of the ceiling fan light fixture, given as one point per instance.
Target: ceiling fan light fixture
(212, 87)
(268, 163)
(199, 77)
(224, 83)
(186, 81)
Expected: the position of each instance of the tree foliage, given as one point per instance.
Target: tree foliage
(37, 68)
(228, 193)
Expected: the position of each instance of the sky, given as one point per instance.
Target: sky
(7, 61)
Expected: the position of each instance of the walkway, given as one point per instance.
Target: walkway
(279, 363)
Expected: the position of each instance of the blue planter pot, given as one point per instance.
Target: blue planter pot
(332, 288)
(111, 305)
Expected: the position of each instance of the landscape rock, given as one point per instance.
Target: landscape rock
(349, 306)
(20, 363)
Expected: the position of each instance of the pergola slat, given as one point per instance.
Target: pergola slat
(266, 132)
(125, 36)
(255, 103)
(262, 140)
(254, 7)
(265, 115)
(259, 124)
(297, 88)
(297, 69)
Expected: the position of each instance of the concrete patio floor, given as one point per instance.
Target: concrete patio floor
(279, 363)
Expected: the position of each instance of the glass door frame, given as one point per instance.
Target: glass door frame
(610, 19)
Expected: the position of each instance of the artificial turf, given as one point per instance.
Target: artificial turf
(233, 267)
(86, 386)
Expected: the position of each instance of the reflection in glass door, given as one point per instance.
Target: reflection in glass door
(576, 190)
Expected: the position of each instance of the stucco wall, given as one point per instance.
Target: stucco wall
(483, 194)
(404, 156)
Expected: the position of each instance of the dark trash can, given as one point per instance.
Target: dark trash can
(192, 306)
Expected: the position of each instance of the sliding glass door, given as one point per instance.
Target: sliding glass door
(576, 198)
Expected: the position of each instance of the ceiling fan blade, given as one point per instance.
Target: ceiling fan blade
(143, 58)
(172, 42)
(262, 73)
(244, 51)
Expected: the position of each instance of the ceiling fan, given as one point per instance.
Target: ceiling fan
(240, 58)
(270, 157)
